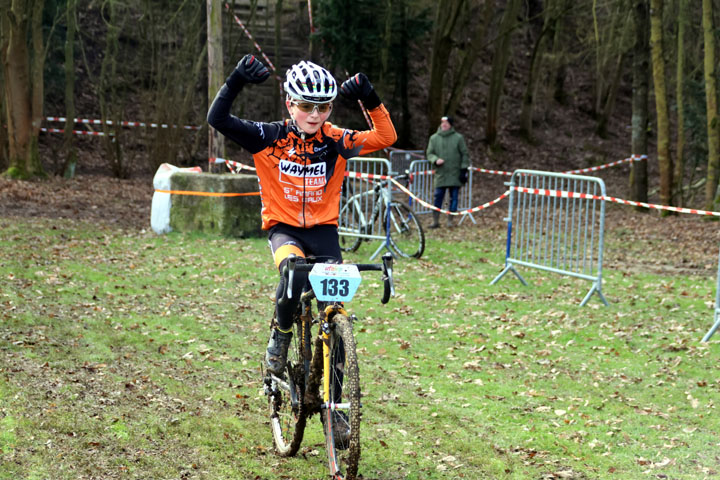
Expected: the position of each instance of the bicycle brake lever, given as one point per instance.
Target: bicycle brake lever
(388, 283)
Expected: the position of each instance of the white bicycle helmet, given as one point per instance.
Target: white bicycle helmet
(308, 82)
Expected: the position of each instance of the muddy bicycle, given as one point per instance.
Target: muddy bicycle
(389, 220)
(321, 374)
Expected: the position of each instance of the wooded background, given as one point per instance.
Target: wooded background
(141, 60)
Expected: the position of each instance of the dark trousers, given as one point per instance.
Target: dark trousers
(440, 195)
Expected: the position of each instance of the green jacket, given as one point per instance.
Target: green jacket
(450, 146)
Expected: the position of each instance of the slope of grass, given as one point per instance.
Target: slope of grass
(128, 355)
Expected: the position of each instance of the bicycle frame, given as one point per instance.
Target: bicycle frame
(381, 204)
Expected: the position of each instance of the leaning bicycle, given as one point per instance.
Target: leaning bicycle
(322, 374)
(389, 220)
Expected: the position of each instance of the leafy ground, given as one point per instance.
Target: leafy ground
(128, 355)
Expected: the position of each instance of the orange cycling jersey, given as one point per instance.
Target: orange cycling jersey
(300, 177)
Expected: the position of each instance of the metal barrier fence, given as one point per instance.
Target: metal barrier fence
(717, 308)
(556, 223)
(400, 160)
(360, 201)
(421, 185)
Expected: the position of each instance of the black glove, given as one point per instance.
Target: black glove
(248, 70)
(358, 87)
(463, 175)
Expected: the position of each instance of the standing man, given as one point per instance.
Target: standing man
(449, 155)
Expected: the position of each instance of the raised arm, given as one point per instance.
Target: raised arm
(382, 133)
(244, 132)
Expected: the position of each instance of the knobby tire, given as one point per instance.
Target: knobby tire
(406, 234)
(347, 457)
(288, 421)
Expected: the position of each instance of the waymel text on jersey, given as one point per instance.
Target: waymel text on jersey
(300, 176)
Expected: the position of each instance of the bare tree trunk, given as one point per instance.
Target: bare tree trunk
(386, 44)
(499, 67)
(680, 102)
(605, 51)
(611, 94)
(110, 105)
(528, 100)
(216, 142)
(554, 11)
(20, 78)
(277, 100)
(448, 12)
(469, 58)
(69, 144)
(559, 57)
(663, 125)
(404, 132)
(711, 198)
(4, 29)
(641, 80)
(37, 66)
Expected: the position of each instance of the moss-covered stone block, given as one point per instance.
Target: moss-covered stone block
(227, 216)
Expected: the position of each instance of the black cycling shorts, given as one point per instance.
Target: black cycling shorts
(321, 241)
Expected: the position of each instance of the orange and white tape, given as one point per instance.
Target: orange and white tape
(76, 132)
(566, 194)
(419, 174)
(370, 176)
(89, 121)
(630, 159)
(233, 166)
(492, 172)
(237, 166)
(310, 16)
(249, 35)
(447, 212)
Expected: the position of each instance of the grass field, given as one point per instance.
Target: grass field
(126, 355)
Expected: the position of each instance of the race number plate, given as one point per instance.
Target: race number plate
(334, 283)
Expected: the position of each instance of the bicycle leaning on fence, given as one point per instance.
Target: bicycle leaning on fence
(326, 380)
(400, 226)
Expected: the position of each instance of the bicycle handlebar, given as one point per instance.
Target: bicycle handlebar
(386, 267)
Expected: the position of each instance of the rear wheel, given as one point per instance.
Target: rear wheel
(288, 415)
(406, 234)
(343, 450)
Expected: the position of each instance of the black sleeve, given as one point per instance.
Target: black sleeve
(252, 136)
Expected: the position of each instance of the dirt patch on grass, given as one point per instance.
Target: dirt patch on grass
(94, 198)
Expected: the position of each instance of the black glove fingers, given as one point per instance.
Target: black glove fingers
(358, 87)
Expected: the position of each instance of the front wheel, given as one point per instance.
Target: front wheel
(406, 234)
(341, 419)
(288, 414)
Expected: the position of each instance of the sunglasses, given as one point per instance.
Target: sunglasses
(309, 107)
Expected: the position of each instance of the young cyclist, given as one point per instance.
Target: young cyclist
(301, 165)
